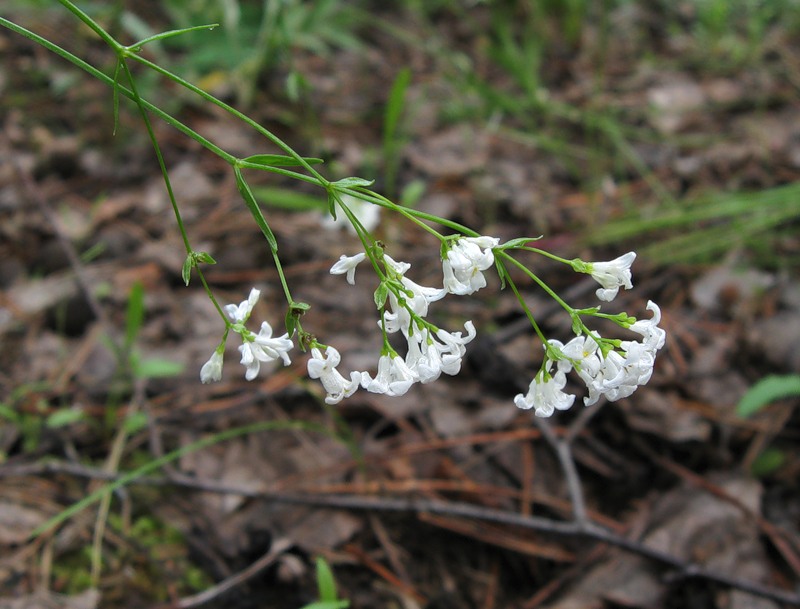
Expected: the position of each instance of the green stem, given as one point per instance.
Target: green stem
(94, 72)
(163, 460)
(282, 277)
(161, 164)
(523, 304)
(317, 178)
(505, 256)
(210, 294)
(93, 25)
(576, 318)
(546, 254)
(413, 215)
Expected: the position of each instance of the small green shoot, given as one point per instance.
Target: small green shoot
(767, 462)
(392, 140)
(64, 417)
(134, 316)
(328, 598)
(766, 391)
(760, 395)
(143, 368)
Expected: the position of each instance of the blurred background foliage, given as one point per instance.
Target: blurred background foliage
(504, 60)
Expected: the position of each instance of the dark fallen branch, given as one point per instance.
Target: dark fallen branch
(586, 529)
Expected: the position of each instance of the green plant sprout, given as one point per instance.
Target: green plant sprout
(610, 367)
(328, 597)
(258, 36)
(392, 139)
(759, 396)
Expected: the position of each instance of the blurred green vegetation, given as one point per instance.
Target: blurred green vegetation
(507, 64)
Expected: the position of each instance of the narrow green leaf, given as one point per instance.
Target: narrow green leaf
(186, 270)
(325, 581)
(255, 210)
(290, 321)
(64, 417)
(327, 605)
(280, 160)
(332, 204)
(157, 368)
(767, 462)
(134, 315)
(287, 198)
(135, 422)
(412, 193)
(294, 84)
(9, 413)
(352, 182)
(519, 242)
(502, 273)
(381, 294)
(171, 33)
(768, 390)
(395, 106)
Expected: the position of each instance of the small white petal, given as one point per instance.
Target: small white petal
(212, 369)
(394, 377)
(348, 264)
(240, 313)
(546, 396)
(466, 260)
(324, 369)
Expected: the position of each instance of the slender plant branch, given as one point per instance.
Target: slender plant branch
(587, 530)
(563, 452)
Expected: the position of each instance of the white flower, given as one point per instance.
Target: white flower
(348, 264)
(262, 347)
(546, 396)
(212, 369)
(393, 378)
(612, 275)
(367, 213)
(324, 369)
(623, 375)
(423, 357)
(611, 372)
(399, 267)
(416, 300)
(631, 372)
(466, 260)
(583, 350)
(239, 314)
(274, 347)
(428, 359)
(648, 328)
(453, 345)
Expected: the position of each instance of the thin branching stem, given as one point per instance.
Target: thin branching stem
(588, 530)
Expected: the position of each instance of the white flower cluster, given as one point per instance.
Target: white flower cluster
(463, 268)
(608, 367)
(255, 348)
(615, 374)
(431, 351)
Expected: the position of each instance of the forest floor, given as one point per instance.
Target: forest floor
(649, 128)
